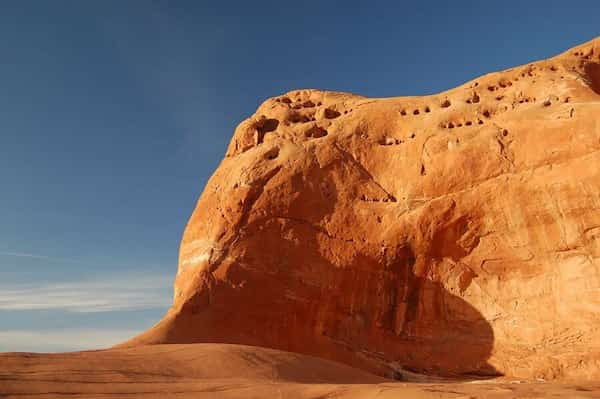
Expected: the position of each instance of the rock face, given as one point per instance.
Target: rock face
(451, 234)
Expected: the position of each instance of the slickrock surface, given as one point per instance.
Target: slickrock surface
(214, 371)
(455, 234)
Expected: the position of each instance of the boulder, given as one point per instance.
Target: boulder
(453, 234)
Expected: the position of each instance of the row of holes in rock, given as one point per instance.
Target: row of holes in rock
(586, 56)
(452, 125)
(299, 104)
(503, 84)
(266, 125)
(394, 141)
(314, 132)
(445, 104)
(474, 99)
(329, 113)
(529, 71)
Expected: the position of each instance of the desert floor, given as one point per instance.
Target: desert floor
(235, 371)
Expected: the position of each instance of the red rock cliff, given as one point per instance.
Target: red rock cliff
(457, 233)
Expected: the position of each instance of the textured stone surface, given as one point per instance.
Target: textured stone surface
(221, 371)
(451, 234)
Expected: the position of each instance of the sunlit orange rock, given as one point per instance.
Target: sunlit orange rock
(452, 234)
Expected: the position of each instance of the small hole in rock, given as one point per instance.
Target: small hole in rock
(272, 153)
(416, 112)
(331, 113)
(403, 112)
(445, 104)
(297, 118)
(266, 125)
(505, 132)
(468, 123)
(316, 132)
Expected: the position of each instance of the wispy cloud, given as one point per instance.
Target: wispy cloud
(61, 340)
(36, 256)
(116, 293)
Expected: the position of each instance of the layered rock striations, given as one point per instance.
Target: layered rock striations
(451, 234)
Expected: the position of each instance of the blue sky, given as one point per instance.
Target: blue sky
(113, 114)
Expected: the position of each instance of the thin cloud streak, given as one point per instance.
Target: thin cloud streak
(61, 340)
(36, 256)
(119, 293)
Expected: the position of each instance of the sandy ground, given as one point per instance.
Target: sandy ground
(234, 371)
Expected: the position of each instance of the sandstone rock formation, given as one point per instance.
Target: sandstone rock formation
(452, 234)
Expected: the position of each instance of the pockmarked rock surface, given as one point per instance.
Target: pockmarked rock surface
(454, 234)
